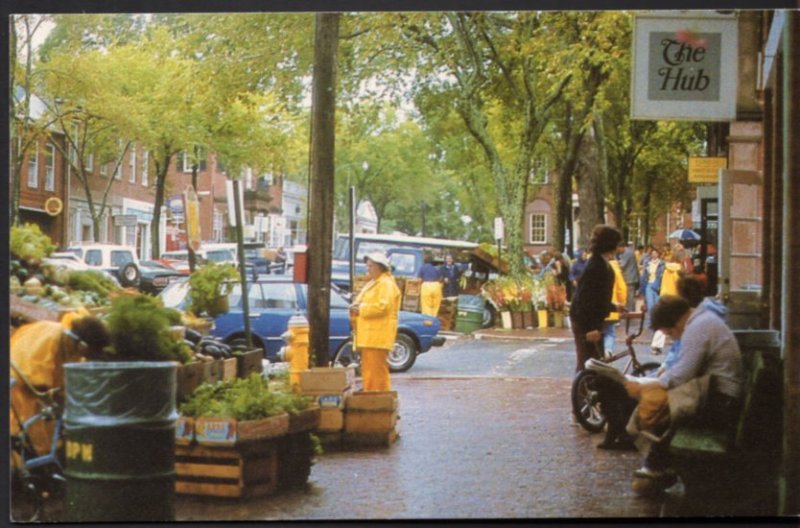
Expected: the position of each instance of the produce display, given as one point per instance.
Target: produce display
(51, 286)
(244, 399)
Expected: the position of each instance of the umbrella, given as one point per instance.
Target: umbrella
(684, 234)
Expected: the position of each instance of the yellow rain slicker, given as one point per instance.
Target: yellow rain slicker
(376, 329)
(36, 350)
(619, 295)
(669, 280)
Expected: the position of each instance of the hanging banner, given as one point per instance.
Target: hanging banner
(231, 201)
(684, 66)
(192, 218)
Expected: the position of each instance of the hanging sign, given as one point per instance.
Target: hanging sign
(684, 66)
(192, 217)
(53, 206)
(498, 228)
(705, 170)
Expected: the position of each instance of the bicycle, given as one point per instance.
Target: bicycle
(35, 478)
(585, 405)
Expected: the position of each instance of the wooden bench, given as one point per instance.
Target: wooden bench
(736, 474)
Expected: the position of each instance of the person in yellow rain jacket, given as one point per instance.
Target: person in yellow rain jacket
(431, 293)
(619, 295)
(672, 272)
(38, 352)
(375, 310)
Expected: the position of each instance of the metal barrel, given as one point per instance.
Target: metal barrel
(119, 426)
(469, 313)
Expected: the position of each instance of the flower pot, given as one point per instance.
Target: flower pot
(527, 319)
(505, 317)
(542, 315)
(558, 319)
(517, 320)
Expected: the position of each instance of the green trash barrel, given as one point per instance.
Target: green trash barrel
(469, 313)
(119, 428)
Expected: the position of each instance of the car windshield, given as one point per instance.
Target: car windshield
(175, 256)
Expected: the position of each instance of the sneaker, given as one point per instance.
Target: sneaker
(645, 472)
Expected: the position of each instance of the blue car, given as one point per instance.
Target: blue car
(273, 300)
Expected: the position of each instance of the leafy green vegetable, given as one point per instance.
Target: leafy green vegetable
(29, 244)
(248, 398)
(92, 281)
(140, 330)
(207, 285)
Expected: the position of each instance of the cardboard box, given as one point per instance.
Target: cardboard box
(306, 420)
(184, 430)
(331, 420)
(188, 377)
(369, 421)
(372, 401)
(327, 379)
(228, 432)
(249, 362)
(229, 368)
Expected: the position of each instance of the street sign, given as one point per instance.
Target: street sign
(705, 170)
(498, 228)
(124, 220)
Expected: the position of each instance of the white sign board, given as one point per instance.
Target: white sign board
(498, 228)
(684, 66)
(231, 201)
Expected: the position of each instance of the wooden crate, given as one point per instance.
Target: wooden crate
(229, 368)
(413, 287)
(411, 303)
(227, 431)
(371, 439)
(369, 421)
(188, 378)
(184, 430)
(305, 420)
(372, 401)
(242, 471)
(249, 362)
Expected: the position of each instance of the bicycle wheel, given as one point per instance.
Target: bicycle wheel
(584, 402)
(646, 370)
(26, 499)
(345, 356)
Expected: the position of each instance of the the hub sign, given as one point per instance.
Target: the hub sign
(684, 66)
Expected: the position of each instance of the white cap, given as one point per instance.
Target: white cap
(379, 258)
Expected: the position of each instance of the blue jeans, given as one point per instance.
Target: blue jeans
(609, 336)
(651, 298)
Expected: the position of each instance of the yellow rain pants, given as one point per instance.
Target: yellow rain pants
(431, 298)
(375, 369)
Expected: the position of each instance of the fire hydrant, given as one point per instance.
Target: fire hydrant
(296, 351)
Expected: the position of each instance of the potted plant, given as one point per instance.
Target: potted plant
(493, 291)
(539, 296)
(556, 301)
(209, 287)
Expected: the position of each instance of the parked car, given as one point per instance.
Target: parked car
(119, 261)
(274, 299)
(155, 276)
(179, 258)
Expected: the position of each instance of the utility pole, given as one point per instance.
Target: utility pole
(320, 231)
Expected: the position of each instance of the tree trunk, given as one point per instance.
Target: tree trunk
(161, 180)
(588, 184)
(320, 232)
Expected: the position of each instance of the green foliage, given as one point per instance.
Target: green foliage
(29, 244)
(207, 285)
(140, 330)
(248, 398)
(91, 280)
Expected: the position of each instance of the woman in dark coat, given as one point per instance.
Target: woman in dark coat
(591, 303)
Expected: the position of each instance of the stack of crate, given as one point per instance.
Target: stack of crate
(411, 295)
(330, 388)
(370, 418)
(447, 313)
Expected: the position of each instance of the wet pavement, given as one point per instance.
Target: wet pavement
(471, 447)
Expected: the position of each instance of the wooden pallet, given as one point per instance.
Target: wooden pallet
(243, 471)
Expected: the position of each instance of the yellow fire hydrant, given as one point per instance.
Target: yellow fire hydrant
(296, 351)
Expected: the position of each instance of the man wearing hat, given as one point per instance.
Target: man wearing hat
(374, 314)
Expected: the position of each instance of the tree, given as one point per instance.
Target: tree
(491, 66)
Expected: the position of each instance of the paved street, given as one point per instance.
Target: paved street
(484, 434)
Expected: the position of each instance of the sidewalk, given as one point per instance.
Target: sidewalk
(547, 333)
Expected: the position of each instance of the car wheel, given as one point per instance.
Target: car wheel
(403, 355)
(129, 275)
